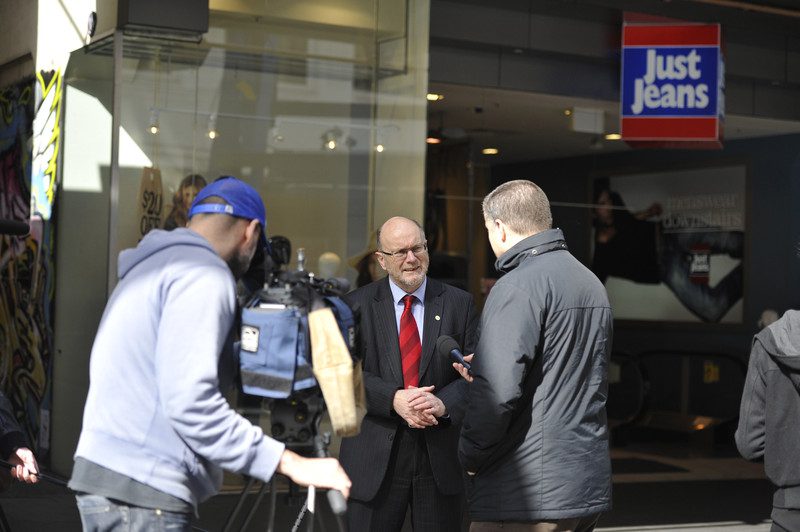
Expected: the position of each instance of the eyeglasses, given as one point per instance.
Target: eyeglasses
(401, 254)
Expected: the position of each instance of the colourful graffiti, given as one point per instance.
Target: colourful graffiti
(46, 134)
(30, 118)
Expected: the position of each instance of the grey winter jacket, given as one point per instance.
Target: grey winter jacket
(535, 431)
(769, 418)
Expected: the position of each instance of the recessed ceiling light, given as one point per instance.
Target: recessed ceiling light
(153, 127)
(613, 136)
(490, 151)
(433, 140)
(567, 112)
(433, 97)
(212, 127)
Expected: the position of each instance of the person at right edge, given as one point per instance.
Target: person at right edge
(769, 418)
(534, 441)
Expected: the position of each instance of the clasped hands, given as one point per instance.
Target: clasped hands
(418, 406)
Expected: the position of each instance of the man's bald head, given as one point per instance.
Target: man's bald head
(403, 253)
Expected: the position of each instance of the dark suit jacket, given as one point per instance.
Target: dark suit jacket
(448, 311)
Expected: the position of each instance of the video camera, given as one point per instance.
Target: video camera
(298, 348)
(297, 354)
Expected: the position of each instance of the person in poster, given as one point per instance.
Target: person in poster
(633, 246)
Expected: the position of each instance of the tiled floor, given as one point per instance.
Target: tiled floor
(730, 526)
(694, 467)
(689, 489)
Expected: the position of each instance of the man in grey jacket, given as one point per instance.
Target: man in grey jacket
(534, 441)
(769, 419)
(157, 430)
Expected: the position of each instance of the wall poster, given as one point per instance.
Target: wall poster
(669, 245)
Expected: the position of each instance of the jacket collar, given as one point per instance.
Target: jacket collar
(535, 245)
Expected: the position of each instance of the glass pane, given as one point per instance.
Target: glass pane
(82, 253)
(295, 109)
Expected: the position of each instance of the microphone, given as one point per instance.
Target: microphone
(13, 227)
(447, 347)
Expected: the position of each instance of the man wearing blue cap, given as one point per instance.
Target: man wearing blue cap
(157, 430)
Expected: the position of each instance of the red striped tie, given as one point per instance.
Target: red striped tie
(410, 347)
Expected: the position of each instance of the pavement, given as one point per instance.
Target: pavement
(657, 487)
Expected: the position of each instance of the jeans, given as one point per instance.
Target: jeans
(99, 514)
(709, 304)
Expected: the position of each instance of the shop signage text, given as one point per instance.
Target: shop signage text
(671, 82)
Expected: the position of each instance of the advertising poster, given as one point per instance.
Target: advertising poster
(669, 245)
(150, 201)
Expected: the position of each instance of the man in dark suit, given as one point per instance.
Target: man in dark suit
(405, 453)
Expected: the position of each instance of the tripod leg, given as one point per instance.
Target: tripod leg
(4, 526)
(257, 502)
(234, 514)
(273, 501)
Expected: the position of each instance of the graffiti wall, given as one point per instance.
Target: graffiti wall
(29, 139)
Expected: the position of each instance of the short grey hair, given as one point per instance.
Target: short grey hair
(521, 205)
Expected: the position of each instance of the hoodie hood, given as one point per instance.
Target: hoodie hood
(782, 341)
(155, 241)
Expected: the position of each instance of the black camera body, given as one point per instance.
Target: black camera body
(296, 404)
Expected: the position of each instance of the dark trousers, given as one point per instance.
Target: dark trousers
(581, 524)
(409, 481)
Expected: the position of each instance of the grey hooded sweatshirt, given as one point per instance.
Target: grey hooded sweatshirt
(769, 419)
(155, 412)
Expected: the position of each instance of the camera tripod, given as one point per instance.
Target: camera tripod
(295, 421)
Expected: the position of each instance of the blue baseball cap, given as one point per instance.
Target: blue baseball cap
(241, 201)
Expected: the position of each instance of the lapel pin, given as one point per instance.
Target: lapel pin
(437, 318)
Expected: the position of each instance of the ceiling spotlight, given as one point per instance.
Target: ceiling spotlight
(330, 138)
(379, 148)
(153, 128)
(490, 151)
(212, 127)
(568, 112)
(433, 140)
(275, 134)
(613, 136)
(433, 97)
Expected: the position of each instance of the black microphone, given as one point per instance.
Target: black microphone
(13, 227)
(447, 347)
